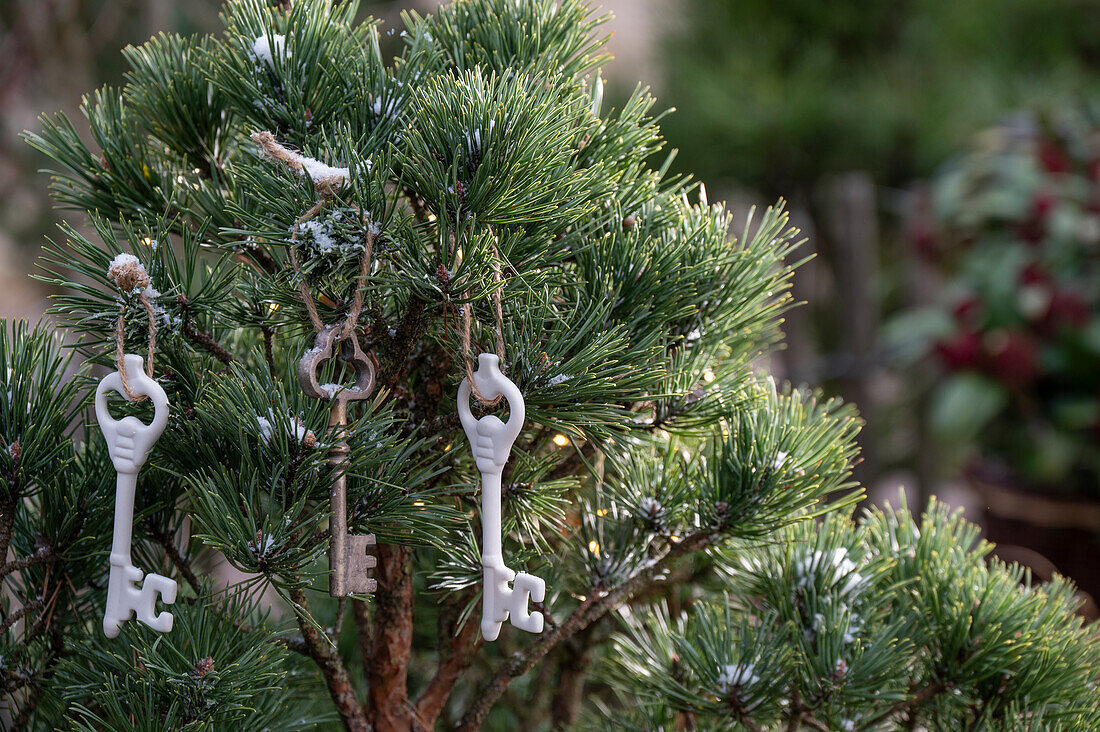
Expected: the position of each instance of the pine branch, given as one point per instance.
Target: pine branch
(442, 422)
(269, 352)
(797, 711)
(36, 682)
(919, 697)
(409, 330)
(7, 518)
(587, 612)
(815, 723)
(201, 338)
(748, 722)
(569, 691)
(417, 204)
(44, 554)
(457, 650)
(43, 622)
(21, 613)
(257, 257)
(30, 704)
(341, 611)
(332, 666)
(298, 644)
(176, 558)
(14, 681)
(387, 672)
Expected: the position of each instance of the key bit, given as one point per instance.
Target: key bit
(349, 554)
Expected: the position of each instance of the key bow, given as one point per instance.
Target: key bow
(351, 353)
(491, 439)
(129, 440)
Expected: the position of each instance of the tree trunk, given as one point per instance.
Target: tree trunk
(577, 658)
(387, 674)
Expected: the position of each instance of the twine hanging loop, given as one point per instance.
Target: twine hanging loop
(326, 181)
(130, 277)
(467, 326)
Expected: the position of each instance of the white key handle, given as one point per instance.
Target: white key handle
(129, 441)
(491, 441)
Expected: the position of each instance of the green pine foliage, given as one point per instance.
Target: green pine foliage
(658, 468)
(858, 626)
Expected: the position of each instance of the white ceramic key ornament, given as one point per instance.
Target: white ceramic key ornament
(129, 441)
(491, 440)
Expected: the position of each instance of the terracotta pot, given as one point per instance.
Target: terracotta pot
(1048, 533)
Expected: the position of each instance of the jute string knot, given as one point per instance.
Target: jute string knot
(129, 275)
(326, 181)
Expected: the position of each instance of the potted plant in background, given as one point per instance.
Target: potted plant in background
(1014, 228)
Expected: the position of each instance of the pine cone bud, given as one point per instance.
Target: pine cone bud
(202, 668)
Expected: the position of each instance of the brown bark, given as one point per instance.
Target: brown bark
(794, 723)
(332, 667)
(408, 331)
(577, 658)
(852, 223)
(364, 628)
(17, 565)
(388, 708)
(7, 519)
(457, 650)
(177, 559)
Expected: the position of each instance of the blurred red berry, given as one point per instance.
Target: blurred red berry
(966, 310)
(925, 241)
(1043, 204)
(1052, 157)
(961, 352)
(1032, 228)
(1066, 310)
(1096, 424)
(1034, 274)
(1094, 170)
(1013, 357)
(920, 224)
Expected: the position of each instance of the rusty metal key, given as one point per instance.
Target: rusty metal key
(349, 557)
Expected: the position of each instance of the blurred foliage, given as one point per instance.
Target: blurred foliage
(1014, 227)
(51, 53)
(777, 94)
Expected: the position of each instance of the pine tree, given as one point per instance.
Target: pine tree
(691, 518)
